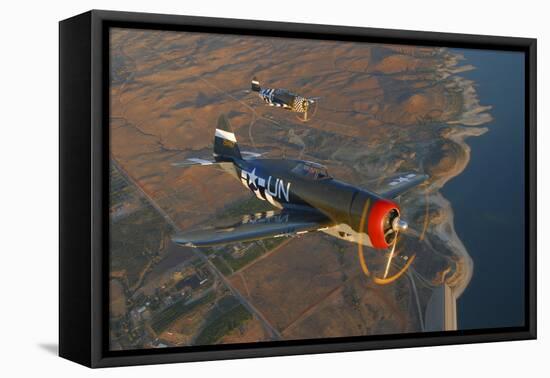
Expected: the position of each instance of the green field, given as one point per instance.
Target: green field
(223, 324)
(164, 318)
(272, 243)
(221, 265)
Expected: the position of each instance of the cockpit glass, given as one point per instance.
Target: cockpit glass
(311, 171)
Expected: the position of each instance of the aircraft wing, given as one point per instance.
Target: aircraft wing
(270, 224)
(400, 184)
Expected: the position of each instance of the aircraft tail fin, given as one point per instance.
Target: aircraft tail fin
(255, 84)
(225, 143)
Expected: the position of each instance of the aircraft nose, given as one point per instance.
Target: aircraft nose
(399, 224)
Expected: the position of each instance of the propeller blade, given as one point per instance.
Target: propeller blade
(391, 255)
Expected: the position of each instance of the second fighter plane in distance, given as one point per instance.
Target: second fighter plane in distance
(285, 99)
(305, 198)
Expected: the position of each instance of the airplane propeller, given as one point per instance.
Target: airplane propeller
(397, 225)
(391, 256)
(306, 104)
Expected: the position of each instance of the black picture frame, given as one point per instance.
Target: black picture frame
(83, 181)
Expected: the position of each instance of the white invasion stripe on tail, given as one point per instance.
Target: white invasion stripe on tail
(226, 135)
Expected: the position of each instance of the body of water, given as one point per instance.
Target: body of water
(488, 197)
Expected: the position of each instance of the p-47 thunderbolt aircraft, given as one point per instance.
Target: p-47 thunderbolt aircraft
(305, 199)
(283, 98)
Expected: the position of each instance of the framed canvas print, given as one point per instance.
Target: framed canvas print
(234, 188)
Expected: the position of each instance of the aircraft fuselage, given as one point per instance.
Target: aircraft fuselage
(296, 184)
(282, 98)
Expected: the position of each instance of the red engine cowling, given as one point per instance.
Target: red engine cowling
(380, 219)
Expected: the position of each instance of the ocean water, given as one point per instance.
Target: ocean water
(488, 197)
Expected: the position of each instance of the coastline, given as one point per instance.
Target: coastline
(468, 124)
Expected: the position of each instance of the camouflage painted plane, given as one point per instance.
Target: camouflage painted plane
(305, 199)
(283, 98)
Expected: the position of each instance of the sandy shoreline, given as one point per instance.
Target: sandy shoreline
(467, 125)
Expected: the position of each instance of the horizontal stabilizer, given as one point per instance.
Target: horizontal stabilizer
(251, 155)
(398, 185)
(255, 85)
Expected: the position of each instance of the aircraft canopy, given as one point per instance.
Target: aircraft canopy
(311, 170)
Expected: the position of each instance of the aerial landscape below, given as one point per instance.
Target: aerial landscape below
(364, 113)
